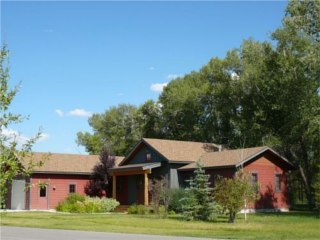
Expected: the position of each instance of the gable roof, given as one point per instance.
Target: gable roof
(175, 151)
(232, 158)
(66, 163)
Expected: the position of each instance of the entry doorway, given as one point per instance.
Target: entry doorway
(18, 195)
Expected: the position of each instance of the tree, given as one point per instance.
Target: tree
(298, 47)
(199, 204)
(182, 108)
(232, 193)
(160, 194)
(316, 187)
(149, 119)
(11, 153)
(99, 184)
(117, 128)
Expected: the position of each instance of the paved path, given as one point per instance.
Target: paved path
(21, 233)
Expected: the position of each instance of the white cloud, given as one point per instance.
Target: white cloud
(43, 137)
(13, 135)
(151, 68)
(158, 87)
(172, 76)
(79, 112)
(59, 112)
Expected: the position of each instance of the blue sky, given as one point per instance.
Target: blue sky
(77, 58)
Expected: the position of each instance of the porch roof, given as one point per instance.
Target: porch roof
(135, 167)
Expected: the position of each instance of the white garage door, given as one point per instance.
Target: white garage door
(18, 195)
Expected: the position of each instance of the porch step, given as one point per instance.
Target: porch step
(122, 208)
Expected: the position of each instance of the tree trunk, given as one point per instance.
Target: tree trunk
(232, 216)
(306, 186)
(306, 174)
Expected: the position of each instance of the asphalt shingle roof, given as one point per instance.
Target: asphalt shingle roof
(225, 158)
(181, 151)
(66, 163)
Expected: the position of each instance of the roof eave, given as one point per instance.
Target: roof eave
(61, 173)
(260, 152)
(210, 167)
(181, 162)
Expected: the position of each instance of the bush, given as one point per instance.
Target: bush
(177, 200)
(138, 209)
(74, 197)
(76, 203)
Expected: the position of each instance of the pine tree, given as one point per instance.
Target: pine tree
(200, 204)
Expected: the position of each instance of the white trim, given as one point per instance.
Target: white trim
(253, 210)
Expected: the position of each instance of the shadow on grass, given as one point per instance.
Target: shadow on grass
(303, 214)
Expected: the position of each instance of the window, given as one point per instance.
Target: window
(254, 181)
(277, 186)
(72, 188)
(43, 191)
(148, 156)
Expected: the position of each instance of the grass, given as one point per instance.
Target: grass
(293, 225)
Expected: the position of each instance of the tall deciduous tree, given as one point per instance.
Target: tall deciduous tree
(149, 118)
(10, 151)
(182, 108)
(117, 128)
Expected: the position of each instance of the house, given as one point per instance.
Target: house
(62, 174)
(176, 161)
(50, 183)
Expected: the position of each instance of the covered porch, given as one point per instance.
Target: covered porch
(130, 183)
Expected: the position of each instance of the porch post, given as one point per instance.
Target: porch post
(146, 187)
(114, 187)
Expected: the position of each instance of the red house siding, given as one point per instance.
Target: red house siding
(57, 189)
(266, 167)
(226, 173)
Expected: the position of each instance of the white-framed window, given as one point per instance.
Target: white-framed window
(72, 188)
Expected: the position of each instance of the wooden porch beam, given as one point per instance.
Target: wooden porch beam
(126, 173)
(114, 186)
(146, 189)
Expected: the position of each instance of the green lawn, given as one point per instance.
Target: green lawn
(293, 225)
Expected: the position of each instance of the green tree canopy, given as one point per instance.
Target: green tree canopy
(117, 128)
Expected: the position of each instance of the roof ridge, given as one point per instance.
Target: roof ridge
(72, 154)
(172, 140)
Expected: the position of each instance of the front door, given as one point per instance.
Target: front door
(18, 195)
(43, 197)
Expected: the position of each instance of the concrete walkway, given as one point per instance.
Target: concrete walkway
(21, 233)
